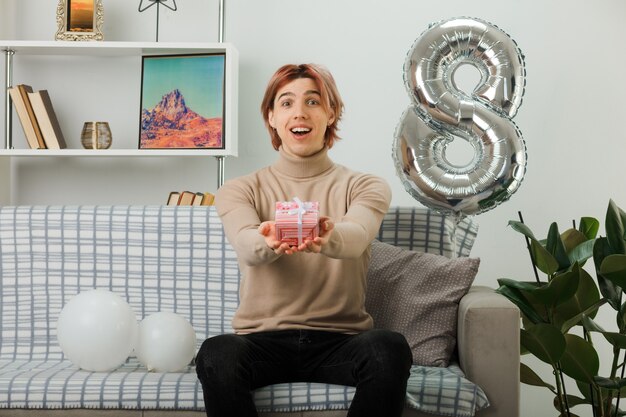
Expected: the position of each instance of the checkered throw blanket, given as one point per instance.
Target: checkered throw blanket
(160, 259)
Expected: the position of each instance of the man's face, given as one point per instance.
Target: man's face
(299, 117)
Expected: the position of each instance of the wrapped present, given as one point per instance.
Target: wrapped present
(296, 221)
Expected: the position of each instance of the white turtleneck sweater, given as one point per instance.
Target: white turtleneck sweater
(324, 291)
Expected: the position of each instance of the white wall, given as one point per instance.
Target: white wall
(571, 117)
(7, 18)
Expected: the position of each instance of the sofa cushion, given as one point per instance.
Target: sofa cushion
(59, 384)
(417, 294)
(420, 229)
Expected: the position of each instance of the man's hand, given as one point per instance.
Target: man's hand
(268, 230)
(326, 227)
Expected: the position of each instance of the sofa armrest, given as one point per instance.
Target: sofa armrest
(489, 348)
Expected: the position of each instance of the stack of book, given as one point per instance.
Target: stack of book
(188, 198)
(37, 116)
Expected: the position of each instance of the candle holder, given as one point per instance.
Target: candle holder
(150, 3)
(96, 135)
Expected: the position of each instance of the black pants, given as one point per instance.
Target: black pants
(376, 362)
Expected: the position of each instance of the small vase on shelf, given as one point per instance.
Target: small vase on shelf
(96, 135)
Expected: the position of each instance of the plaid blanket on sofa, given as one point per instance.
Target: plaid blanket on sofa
(159, 259)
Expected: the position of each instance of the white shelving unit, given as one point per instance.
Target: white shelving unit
(75, 51)
(109, 152)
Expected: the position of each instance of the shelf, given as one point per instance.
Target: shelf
(104, 48)
(85, 54)
(110, 152)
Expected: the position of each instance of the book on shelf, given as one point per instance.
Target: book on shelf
(172, 199)
(48, 122)
(25, 90)
(24, 109)
(188, 198)
(207, 199)
(197, 200)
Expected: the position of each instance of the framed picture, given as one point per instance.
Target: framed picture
(79, 20)
(182, 101)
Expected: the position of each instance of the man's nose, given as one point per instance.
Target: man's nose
(300, 111)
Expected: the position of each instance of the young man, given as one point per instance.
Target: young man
(301, 315)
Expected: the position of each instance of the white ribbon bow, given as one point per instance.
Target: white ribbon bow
(300, 209)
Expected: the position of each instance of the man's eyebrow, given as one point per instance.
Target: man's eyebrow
(289, 93)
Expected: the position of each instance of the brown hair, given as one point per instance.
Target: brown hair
(331, 100)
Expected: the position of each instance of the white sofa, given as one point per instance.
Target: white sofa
(177, 259)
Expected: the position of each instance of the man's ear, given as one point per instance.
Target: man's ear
(270, 118)
(331, 118)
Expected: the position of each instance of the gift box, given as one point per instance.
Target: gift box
(296, 221)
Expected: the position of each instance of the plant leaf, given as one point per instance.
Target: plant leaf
(613, 268)
(616, 339)
(585, 390)
(517, 298)
(521, 285)
(586, 297)
(572, 238)
(555, 246)
(591, 325)
(622, 216)
(610, 384)
(521, 228)
(577, 318)
(572, 401)
(540, 256)
(621, 318)
(615, 228)
(560, 289)
(609, 290)
(544, 341)
(529, 377)
(589, 227)
(582, 252)
(580, 360)
(543, 258)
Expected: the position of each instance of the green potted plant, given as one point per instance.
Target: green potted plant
(558, 312)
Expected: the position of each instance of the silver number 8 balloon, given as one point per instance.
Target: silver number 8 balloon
(442, 112)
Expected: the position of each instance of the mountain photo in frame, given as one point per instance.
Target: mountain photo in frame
(182, 101)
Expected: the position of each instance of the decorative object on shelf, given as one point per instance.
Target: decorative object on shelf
(79, 20)
(96, 135)
(182, 102)
(150, 3)
(441, 113)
